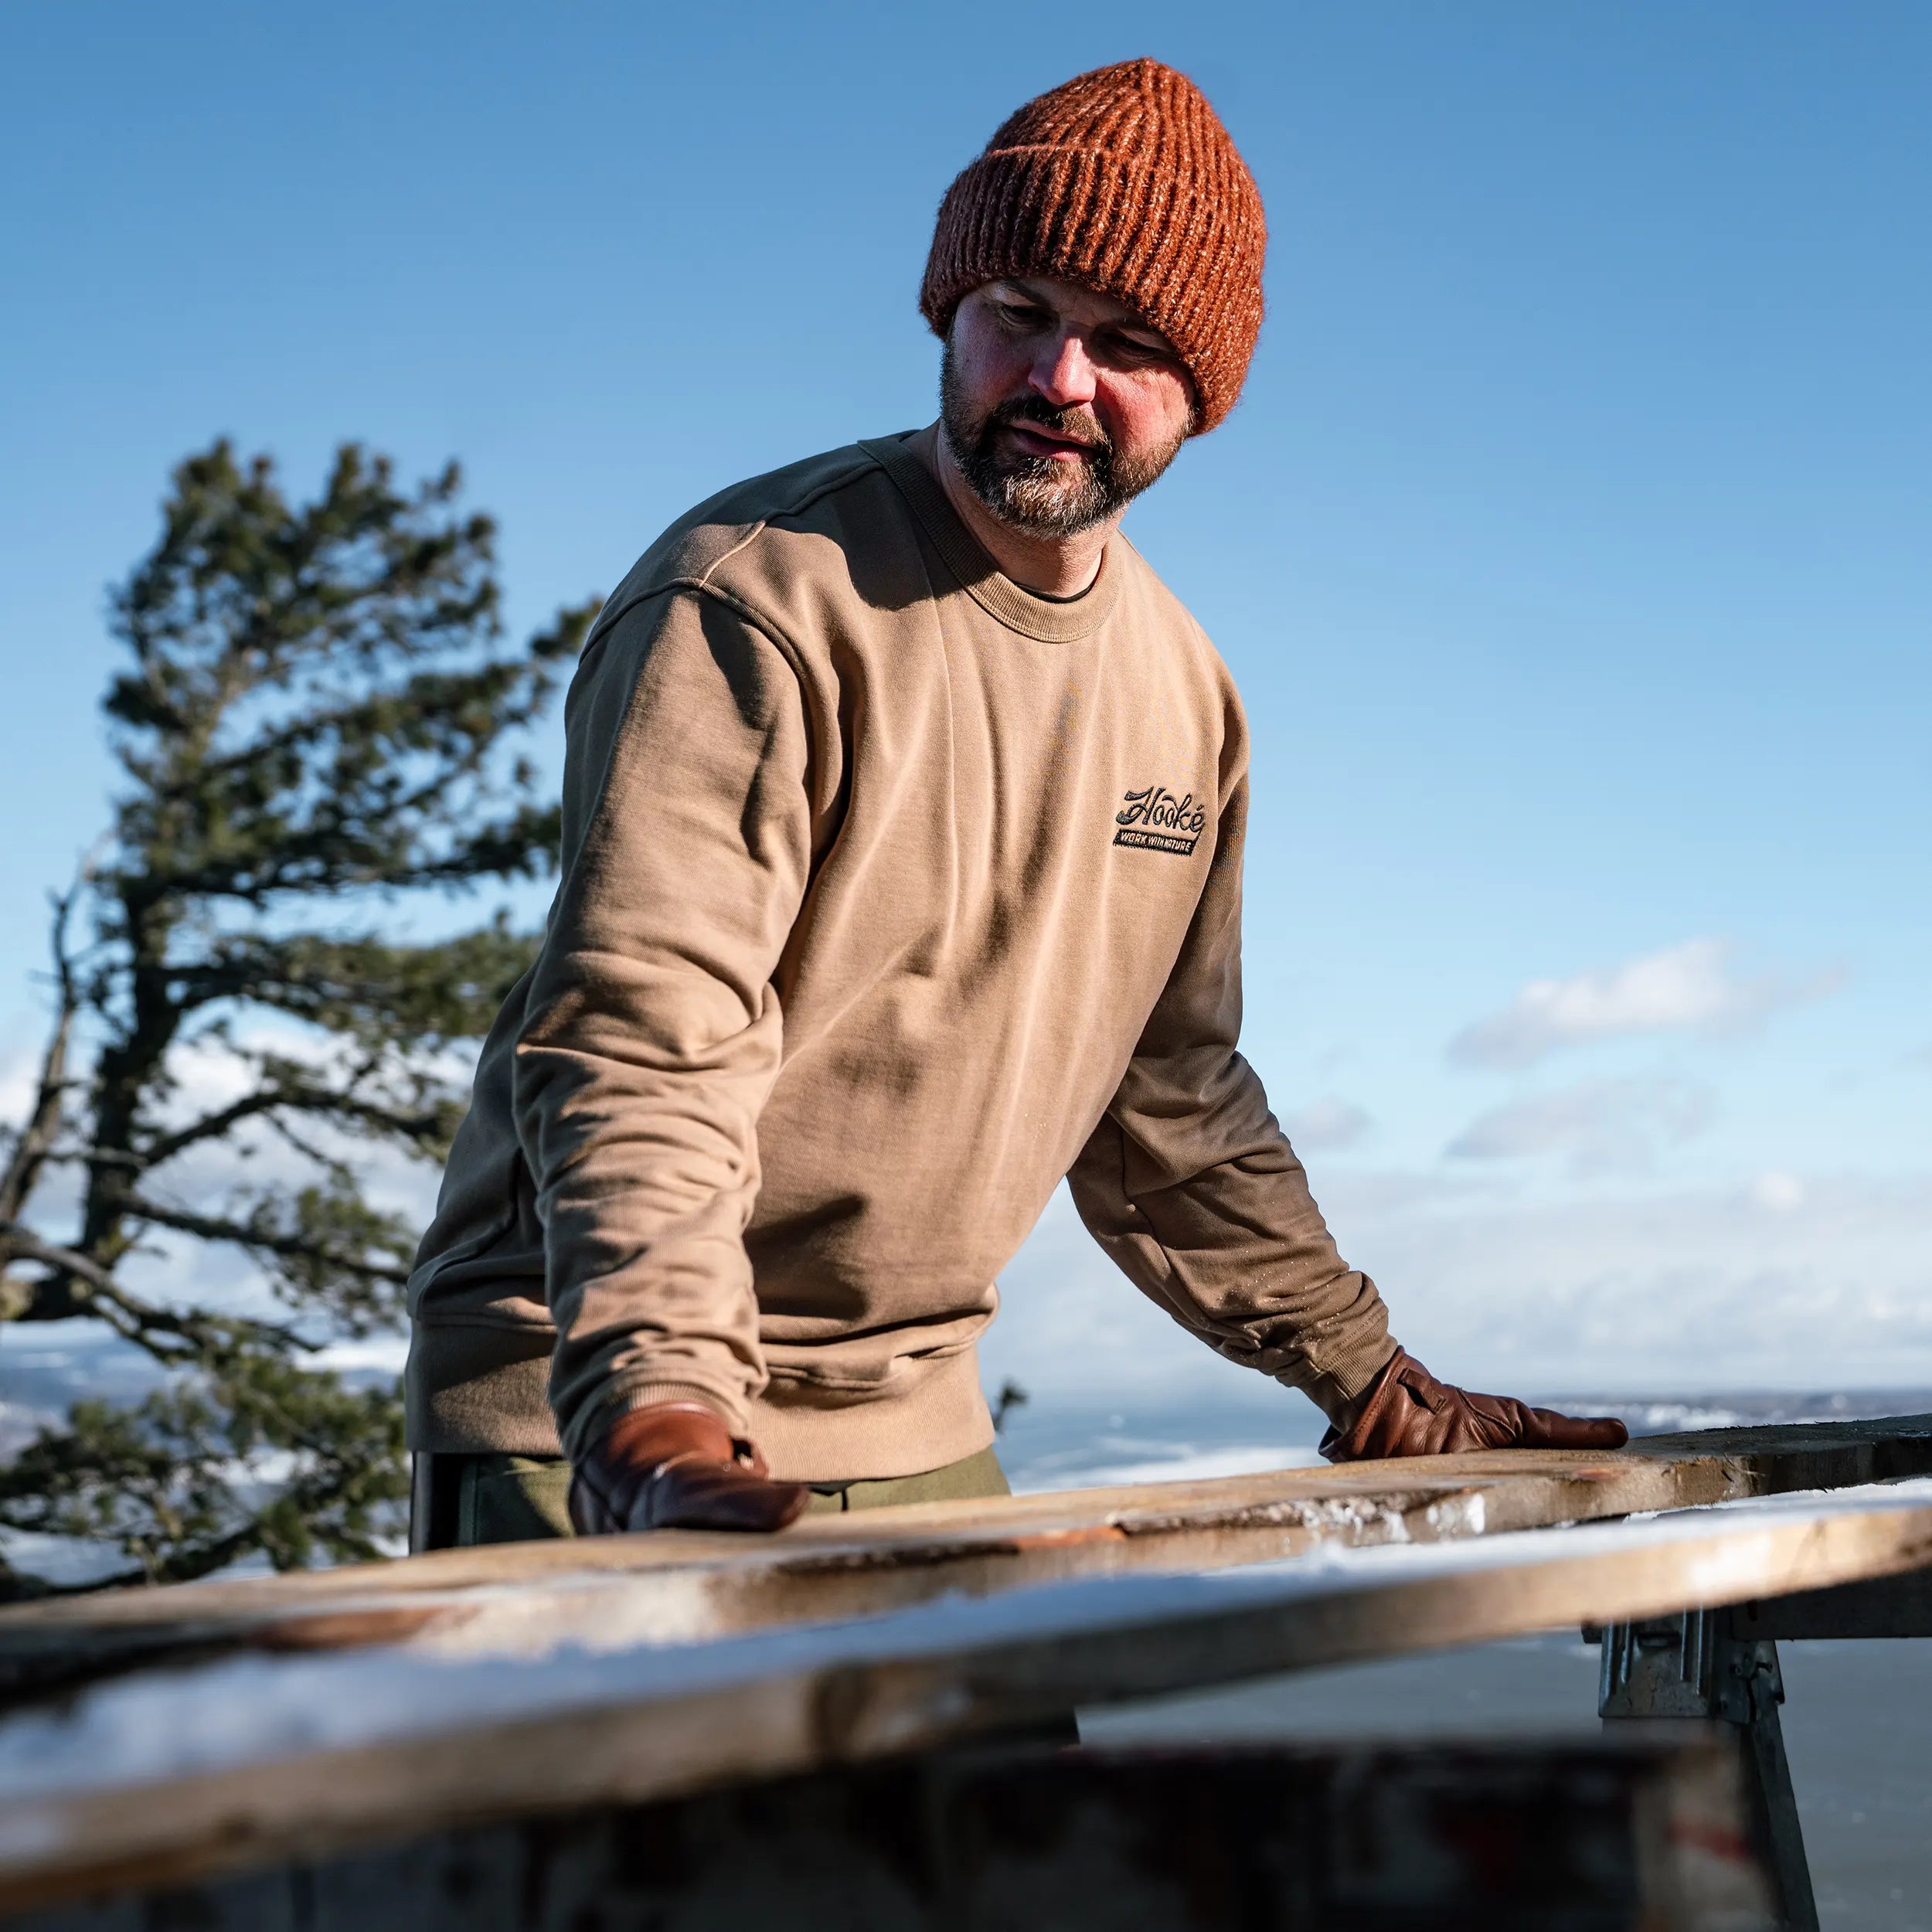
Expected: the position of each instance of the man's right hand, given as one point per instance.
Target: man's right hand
(676, 1465)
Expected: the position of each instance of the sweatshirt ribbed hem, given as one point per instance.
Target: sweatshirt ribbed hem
(475, 1388)
(934, 1413)
(467, 1398)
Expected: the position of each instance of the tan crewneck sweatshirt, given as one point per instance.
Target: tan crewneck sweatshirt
(891, 893)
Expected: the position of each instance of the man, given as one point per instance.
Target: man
(903, 812)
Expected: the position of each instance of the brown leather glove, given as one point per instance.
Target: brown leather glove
(676, 1465)
(1406, 1412)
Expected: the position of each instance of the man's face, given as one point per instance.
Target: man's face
(1059, 405)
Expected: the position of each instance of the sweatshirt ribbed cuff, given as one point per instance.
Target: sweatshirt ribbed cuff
(1337, 1390)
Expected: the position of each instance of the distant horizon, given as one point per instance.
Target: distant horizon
(1244, 1392)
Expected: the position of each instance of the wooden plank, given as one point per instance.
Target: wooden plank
(1570, 1837)
(1809, 1455)
(691, 1584)
(152, 1779)
(1892, 1607)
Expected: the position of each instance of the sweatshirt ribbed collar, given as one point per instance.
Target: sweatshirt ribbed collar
(1051, 620)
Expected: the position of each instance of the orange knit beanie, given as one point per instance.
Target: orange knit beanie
(1123, 179)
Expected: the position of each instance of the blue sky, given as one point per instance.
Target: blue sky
(1571, 545)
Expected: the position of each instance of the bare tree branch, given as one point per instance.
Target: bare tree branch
(269, 1101)
(21, 1244)
(36, 1140)
(209, 1227)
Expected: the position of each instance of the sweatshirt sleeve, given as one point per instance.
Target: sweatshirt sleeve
(652, 1032)
(1189, 1184)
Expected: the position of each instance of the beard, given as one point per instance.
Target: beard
(1043, 496)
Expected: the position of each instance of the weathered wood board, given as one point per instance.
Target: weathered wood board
(1573, 1838)
(153, 1777)
(688, 1585)
(1890, 1607)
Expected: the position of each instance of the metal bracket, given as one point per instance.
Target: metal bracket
(1695, 1666)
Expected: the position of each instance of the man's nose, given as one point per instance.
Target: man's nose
(1063, 373)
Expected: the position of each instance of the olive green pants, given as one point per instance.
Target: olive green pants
(515, 1499)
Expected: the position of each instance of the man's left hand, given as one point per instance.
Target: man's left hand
(1406, 1412)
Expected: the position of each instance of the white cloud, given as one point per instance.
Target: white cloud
(1782, 1193)
(1816, 1281)
(375, 1354)
(1326, 1125)
(1604, 1127)
(1690, 987)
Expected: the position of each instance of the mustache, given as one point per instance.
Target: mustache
(1077, 423)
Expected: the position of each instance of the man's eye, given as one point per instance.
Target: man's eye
(1017, 315)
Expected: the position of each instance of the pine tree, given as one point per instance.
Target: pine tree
(318, 730)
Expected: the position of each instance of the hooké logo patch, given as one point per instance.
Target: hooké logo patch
(1154, 820)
